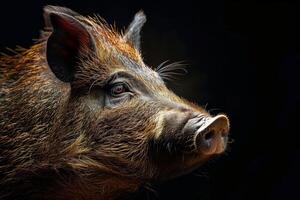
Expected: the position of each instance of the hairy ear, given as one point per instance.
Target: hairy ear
(132, 34)
(69, 39)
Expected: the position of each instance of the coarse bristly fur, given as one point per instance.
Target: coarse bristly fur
(63, 136)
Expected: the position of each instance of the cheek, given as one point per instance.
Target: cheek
(125, 130)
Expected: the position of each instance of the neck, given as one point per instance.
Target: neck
(109, 188)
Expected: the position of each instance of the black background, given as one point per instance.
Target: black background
(243, 58)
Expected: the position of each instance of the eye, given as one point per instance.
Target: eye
(118, 89)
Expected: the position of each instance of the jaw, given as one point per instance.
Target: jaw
(187, 141)
(180, 165)
(175, 165)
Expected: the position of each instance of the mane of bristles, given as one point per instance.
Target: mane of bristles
(14, 61)
(97, 22)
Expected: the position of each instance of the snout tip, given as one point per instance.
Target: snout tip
(211, 138)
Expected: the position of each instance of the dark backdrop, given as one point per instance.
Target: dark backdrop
(243, 60)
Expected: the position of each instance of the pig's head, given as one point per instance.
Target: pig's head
(113, 121)
(132, 123)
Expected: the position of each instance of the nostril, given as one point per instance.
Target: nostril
(208, 135)
(224, 133)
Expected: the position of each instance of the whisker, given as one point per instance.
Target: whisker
(200, 174)
(151, 193)
(172, 66)
(171, 71)
(161, 65)
(91, 86)
(205, 107)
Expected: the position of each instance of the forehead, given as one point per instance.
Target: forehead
(140, 70)
(115, 53)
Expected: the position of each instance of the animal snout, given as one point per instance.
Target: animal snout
(210, 134)
(193, 132)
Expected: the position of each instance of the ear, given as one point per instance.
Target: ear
(70, 38)
(132, 34)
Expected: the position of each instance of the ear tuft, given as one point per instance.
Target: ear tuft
(132, 34)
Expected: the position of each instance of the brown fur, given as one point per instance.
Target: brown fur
(57, 143)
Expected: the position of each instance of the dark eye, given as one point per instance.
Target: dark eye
(118, 89)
